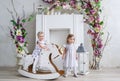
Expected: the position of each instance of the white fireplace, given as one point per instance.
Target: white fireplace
(57, 27)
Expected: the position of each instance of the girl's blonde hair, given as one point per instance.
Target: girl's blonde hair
(39, 33)
(69, 36)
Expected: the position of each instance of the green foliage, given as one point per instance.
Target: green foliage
(101, 33)
(101, 23)
(23, 20)
(25, 44)
(20, 48)
(63, 0)
(30, 18)
(58, 8)
(87, 10)
(98, 4)
(13, 22)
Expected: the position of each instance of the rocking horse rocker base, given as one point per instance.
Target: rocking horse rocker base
(39, 76)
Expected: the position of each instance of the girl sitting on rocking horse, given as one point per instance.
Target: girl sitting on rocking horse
(41, 44)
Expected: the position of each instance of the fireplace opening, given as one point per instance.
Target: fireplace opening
(58, 36)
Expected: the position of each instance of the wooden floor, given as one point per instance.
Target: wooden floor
(106, 74)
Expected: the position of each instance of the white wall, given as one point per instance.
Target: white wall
(7, 48)
(111, 57)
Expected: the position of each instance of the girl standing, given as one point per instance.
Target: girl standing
(70, 56)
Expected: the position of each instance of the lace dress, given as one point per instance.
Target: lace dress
(70, 61)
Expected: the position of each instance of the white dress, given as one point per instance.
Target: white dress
(37, 49)
(70, 60)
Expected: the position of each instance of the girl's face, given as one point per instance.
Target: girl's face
(41, 37)
(71, 40)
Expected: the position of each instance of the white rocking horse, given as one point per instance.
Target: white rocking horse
(50, 64)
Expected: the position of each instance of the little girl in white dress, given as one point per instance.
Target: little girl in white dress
(70, 56)
(41, 44)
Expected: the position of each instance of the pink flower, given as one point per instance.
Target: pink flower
(84, 6)
(20, 39)
(89, 5)
(97, 52)
(100, 46)
(91, 19)
(96, 25)
(89, 31)
(96, 1)
(72, 3)
(97, 19)
(66, 6)
(15, 27)
(92, 11)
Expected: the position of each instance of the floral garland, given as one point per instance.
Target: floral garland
(92, 12)
(64, 5)
(92, 17)
(19, 33)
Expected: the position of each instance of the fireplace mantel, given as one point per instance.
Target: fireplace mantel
(60, 26)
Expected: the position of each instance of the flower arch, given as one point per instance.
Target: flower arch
(91, 9)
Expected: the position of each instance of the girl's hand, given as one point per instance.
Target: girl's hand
(47, 49)
(63, 57)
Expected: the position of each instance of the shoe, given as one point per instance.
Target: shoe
(75, 76)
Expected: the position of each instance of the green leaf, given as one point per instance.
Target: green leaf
(20, 48)
(101, 23)
(30, 18)
(87, 10)
(24, 35)
(102, 33)
(58, 8)
(23, 20)
(16, 42)
(25, 44)
(100, 10)
(82, 2)
(63, 0)
(15, 33)
(98, 4)
(91, 24)
(13, 22)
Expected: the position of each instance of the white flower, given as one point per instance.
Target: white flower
(19, 32)
(22, 52)
(21, 44)
(66, 6)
